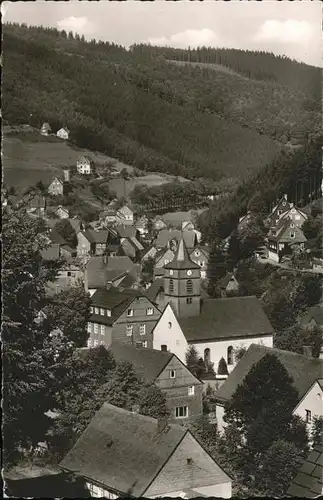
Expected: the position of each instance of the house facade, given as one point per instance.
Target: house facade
(294, 214)
(306, 373)
(125, 215)
(281, 208)
(85, 165)
(63, 133)
(285, 239)
(162, 258)
(201, 257)
(56, 187)
(129, 454)
(183, 391)
(45, 129)
(121, 317)
(92, 242)
(60, 212)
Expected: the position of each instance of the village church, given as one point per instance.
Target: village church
(218, 328)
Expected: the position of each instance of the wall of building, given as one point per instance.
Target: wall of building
(178, 475)
(168, 332)
(98, 492)
(178, 390)
(99, 334)
(219, 413)
(55, 188)
(219, 349)
(312, 401)
(273, 255)
(83, 245)
(139, 305)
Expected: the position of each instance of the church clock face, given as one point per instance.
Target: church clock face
(171, 272)
(189, 273)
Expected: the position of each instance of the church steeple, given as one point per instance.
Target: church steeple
(182, 279)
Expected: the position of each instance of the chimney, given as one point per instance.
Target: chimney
(307, 351)
(66, 173)
(162, 424)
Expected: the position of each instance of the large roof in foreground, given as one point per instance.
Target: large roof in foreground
(227, 318)
(309, 481)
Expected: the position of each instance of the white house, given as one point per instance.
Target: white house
(218, 328)
(45, 129)
(305, 371)
(63, 133)
(84, 165)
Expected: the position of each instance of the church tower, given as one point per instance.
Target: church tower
(182, 281)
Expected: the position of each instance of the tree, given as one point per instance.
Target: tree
(152, 402)
(222, 368)
(258, 415)
(206, 433)
(312, 227)
(124, 174)
(69, 310)
(251, 237)
(317, 431)
(296, 337)
(194, 362)
(148, 267)
(217, 269)
(65, 229)
(31, 357)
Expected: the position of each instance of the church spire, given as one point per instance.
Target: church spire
(182, 259)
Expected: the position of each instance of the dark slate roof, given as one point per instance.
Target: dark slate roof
(115, 300)
(51, 253)
(37, 201)
(126, 231)
(96, 236)
(309, 481)
(303, 370)
(122, 450)
(100, 273)
(55, 237)
(148, 363)
(155, 288)
(227, 318)
(182, 260)
(226, 280)
(76, 224)
(165, 236)
(314, 313)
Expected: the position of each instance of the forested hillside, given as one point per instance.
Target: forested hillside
(138, 107)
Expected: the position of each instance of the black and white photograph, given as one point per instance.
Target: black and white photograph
(162, 249)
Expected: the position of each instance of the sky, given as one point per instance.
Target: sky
(285, 27)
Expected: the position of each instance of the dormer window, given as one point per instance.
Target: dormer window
(150, 311)
(197, 253)
(109, 313)
(102, 311)
(96, 310)
(130, 312)
(172, 374)
(292, 235)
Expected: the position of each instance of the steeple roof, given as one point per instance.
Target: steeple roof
(182, 259)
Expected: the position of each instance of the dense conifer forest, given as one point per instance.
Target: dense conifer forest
(226, 118)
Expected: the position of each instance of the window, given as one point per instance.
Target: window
(163, 347)
(308, 417)
(171, 285)
(191, 390)
(96, 310)
(109, 313)
(130, 312)
(189, 286)
(69, 273)
(150, 311)
(102, 311)
(102, 330)
(181, 412)
(189, 300)
(138, 344)
(172, 374)
(142, 329)
(207, 355)
(89, 327)
(292, 235)
(89, 343)
(96, 328)
(145, 343)
(166, 262)
(95, 342)
(91, 310)
(129, 330)
(197, 253)
(230, 355)
(170, 324)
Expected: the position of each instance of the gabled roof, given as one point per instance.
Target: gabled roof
(51, 253)
(56, 178)
(147, 363)
(37, 201)
(309, 481)
(99, 272)
(303, 370)
(284, 226)
(227, 318)
(226, 280)
(182, 259)
(114, 300)
(165, 236)
(94, 236)
(155, 288)
(126, 231)
(55, 237)
(76, 224)
(314, 313)
(85, 158)
(122, 450)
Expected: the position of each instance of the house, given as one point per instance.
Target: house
(132, 248)
(188, 225)
(52, 252)
(313, 317)
(297, 216)
(56, 187)
(229, 285)
(166, 237)
(149, 253)
(108, 217)
(123, 453)
(318, 265)
(244, 221)
(125, 231)
(200, 255)
(45, 129)
(92, 242)
(85, 165)
(70, 274)
(163, 257)
(125, 215)
(159, 224)
(155, 293)
(284, 239)
(63, 133)
(182, 389)
(141, 225)
(308, 482)
(216, 327)
(102, 271)
(37, 206)
(305, 371)
(282, 207)
(58, 211)
(121, 316)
